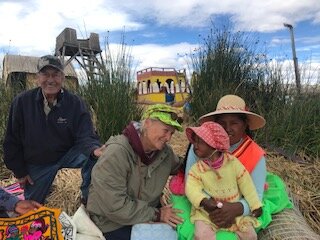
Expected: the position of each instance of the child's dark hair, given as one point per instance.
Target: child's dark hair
(183, 167)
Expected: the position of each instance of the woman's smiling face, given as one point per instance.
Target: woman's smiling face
(157, 134)
(234, 124)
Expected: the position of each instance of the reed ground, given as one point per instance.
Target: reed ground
(302, 179)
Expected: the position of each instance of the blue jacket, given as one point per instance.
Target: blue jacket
(7, 200)
(36, 138)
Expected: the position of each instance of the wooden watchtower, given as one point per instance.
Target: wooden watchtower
(86, 52)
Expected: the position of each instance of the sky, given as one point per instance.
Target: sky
(160, 32)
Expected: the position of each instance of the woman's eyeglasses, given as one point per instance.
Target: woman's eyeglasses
(173, 116)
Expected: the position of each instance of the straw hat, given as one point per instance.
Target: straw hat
(235, 104)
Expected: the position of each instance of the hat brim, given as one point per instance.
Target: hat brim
(255, 121)
(189, 133)
(52, 66)
(172, 123)
(197, 131)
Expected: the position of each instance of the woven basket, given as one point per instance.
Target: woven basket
(289, 224)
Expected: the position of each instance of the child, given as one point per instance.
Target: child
(218, 177)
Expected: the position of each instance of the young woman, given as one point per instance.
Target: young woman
(234, 116)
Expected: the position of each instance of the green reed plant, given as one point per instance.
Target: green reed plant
(6, 96)
(226, 62)
(295, 125)
(232, 63)
(291, 117)
(113, 96)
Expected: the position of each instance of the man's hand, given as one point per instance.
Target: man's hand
(25, 206)
(225, 216)
(25, 180)
(98, 151)
(168, 215)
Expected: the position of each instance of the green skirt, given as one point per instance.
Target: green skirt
(275, 199)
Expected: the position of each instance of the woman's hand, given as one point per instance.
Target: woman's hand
(225, 216)
(169, 215)
(25, 206)
(257, 212)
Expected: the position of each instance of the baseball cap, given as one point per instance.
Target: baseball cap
(166, 114)
(49, 60)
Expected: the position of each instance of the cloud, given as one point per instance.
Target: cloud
(279, 41)
(34, 25)
(171, 56)
(259, 15)
(310, 40)
(309, 71)
(30, 27)
(153, 55)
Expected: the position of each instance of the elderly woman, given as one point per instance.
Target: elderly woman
(233, 115)
(128, 179)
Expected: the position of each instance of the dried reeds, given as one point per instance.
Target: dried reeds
(65, 192)
(302, 180)
(288, 224)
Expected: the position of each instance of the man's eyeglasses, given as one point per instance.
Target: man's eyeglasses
(55, 74)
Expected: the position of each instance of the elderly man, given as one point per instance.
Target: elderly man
(49, 128)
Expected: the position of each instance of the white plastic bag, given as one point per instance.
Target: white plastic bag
(86, 229)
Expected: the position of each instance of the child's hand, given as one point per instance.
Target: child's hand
(209, 204)
(257, 212)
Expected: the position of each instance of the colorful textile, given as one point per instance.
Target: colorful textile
(249, 153)
(275, 199)
(15, 190)
(186, 229)
(7, 201)
(40, 224)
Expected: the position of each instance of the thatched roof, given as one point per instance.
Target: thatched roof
(28, 64)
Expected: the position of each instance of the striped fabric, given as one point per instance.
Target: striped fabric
(15, 190)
